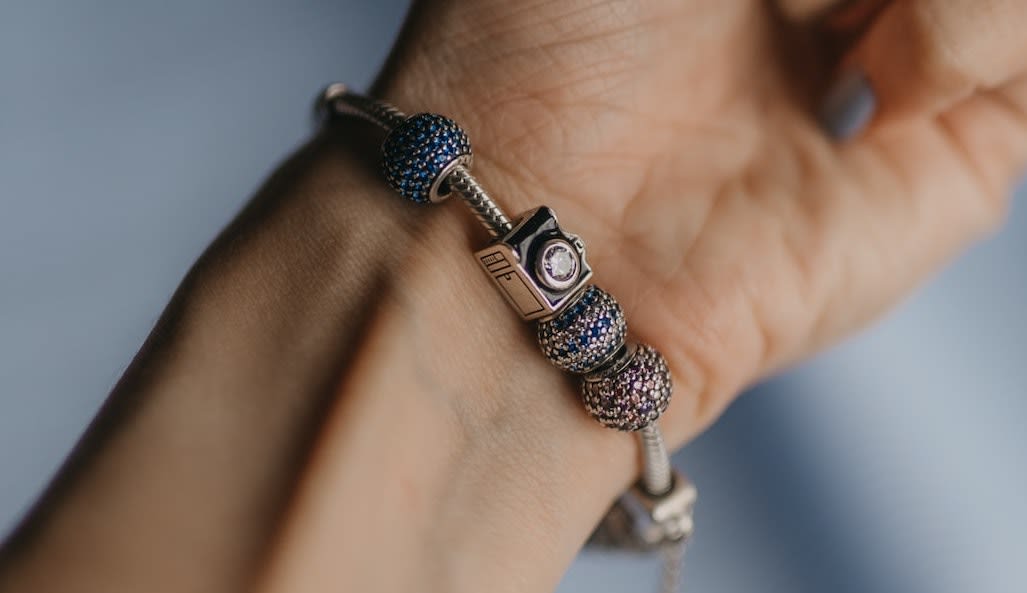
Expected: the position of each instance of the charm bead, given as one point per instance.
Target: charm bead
(631, 395)
(418, 154)
(585, 334)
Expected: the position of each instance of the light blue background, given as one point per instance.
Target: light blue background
(130, 132)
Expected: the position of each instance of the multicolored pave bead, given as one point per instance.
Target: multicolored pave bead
(587, 333)
(419, 154)
(631, 394)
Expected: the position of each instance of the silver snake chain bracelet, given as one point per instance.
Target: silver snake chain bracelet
(542, 271)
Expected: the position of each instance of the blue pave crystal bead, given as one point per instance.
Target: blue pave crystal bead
(419, 154)
(585, 334)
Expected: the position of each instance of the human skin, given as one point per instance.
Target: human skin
(338, 400)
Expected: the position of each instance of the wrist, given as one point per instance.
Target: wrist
(450, 415)
(471, 407)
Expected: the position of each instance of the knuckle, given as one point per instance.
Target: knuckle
(941, 55)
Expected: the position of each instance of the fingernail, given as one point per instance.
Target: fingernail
(848, 106)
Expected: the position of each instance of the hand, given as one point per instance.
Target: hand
(678, 139)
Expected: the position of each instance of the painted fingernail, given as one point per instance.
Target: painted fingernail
(848, 106)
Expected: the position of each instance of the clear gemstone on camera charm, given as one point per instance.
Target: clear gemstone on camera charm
(630, 393)
(420, 153)
(558, 265)
(587, 333)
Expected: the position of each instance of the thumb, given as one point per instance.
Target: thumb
(921, 57)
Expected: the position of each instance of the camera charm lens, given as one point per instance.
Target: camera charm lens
(557, 265)
(543, 273)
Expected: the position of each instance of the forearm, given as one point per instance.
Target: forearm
(179, 482)
(448, 451)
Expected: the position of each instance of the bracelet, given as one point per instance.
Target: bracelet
(542, 272)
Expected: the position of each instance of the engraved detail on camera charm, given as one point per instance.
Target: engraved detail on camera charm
(537, 266)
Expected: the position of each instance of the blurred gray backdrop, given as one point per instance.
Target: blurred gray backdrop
(131, 132)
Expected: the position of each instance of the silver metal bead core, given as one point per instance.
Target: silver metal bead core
(587, 333)
(632, 393)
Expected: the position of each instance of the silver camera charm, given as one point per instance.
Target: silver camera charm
(537, 266)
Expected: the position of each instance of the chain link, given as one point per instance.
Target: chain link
(484, 207)
(337, 99)
(657, 472)
(673, 555)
